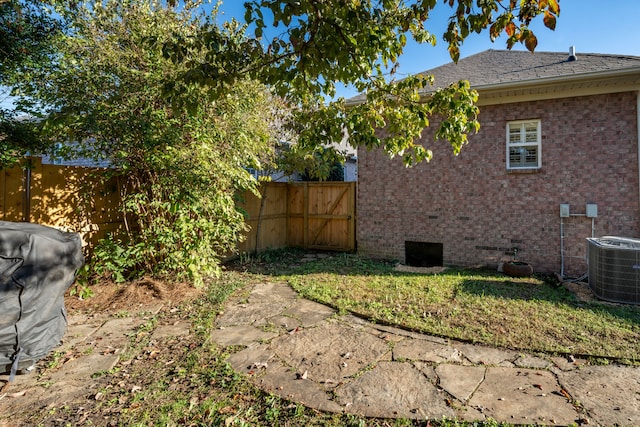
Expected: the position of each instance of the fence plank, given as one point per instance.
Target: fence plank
(12, 195)
(266, 218)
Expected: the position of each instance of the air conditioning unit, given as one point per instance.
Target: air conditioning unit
(614, 268)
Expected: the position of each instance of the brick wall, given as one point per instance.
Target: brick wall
(479, 211)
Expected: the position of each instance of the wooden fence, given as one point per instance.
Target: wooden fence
(307, 215)
(53, 195)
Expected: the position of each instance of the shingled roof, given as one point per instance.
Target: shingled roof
(510, 68)
(493, 67)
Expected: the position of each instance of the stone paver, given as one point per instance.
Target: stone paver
(308, 313)
(460, 381)
(533, 362)
(240, 335)
(91, 345)
(424, 350)
(394, 390)
(523, 396)
(288, 384)
(307, 353)
(342, 363)
(611, 394)
(330, 351)
(483, 355)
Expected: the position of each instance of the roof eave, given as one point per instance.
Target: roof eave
(584, 84)
(559, 86)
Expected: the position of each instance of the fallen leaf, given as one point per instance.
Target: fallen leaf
(227, 410)
(17, 394)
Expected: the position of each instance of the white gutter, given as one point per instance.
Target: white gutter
(638, 132)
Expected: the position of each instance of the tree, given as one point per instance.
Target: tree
(180, 169)
(26, 32)
(358, 42)
(181, 105)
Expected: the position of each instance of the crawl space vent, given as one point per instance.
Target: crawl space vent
(423, 254)
(614, 268)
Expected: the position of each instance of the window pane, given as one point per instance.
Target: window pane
(521, 157)
(515, 132)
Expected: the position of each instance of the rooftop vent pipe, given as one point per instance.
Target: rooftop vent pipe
(572, 54)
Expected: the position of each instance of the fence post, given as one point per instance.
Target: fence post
(32, 190)
(305, 215)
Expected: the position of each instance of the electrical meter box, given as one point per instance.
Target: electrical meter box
(564, 210)
(592, 210)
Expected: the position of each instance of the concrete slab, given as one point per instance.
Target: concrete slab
(460, 381)
(330, 351)
(523, 396)
(610, 394)
(424, 350)
(240, 335)
(393, 390)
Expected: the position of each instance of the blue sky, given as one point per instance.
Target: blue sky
(592, 26)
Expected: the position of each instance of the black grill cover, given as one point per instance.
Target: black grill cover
(37, 266)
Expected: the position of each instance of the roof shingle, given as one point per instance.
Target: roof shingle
(509, 66)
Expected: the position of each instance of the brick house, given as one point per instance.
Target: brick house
(556, 129)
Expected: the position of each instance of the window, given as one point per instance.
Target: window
(524, 145)
(56, 158)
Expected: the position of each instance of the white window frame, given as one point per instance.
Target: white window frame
(524, 143)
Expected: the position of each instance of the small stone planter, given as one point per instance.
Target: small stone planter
(517, 269)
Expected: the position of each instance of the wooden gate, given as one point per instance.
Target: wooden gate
(322, 215)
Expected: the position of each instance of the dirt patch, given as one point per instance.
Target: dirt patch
(109, 297)
(581, 290)
(423, 270)
(101, 329)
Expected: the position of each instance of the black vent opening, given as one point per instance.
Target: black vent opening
(423, 254)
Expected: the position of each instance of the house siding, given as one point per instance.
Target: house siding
(480, 211)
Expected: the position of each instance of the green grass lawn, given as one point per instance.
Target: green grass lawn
(529, 314)
(190, 382)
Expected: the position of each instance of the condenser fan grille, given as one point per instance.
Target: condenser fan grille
(614, 268)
